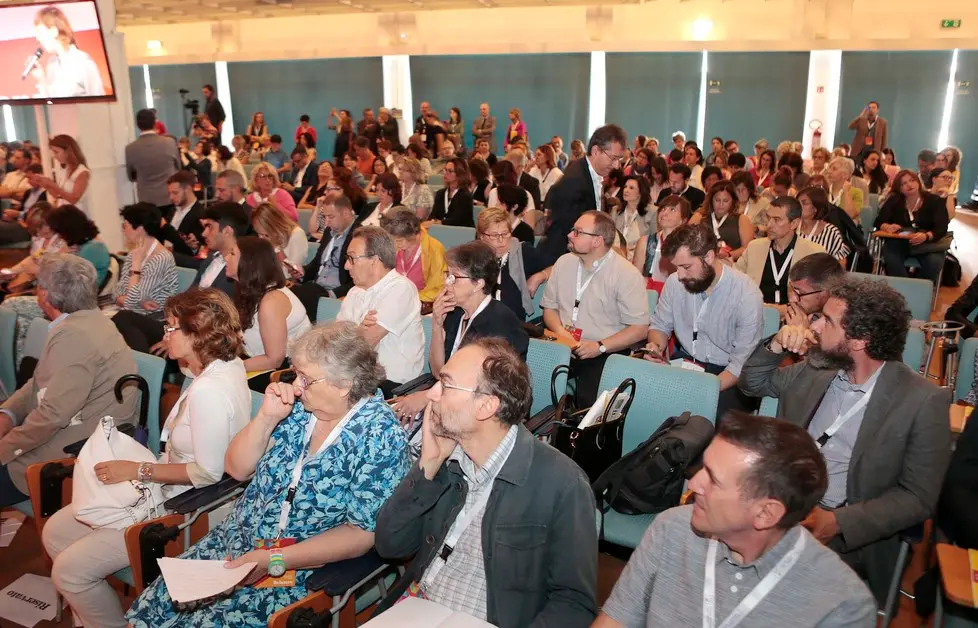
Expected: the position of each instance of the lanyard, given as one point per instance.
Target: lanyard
(749, 603)
(499, 278)
(582, 287)
(696, 323)
(842, 419)
(404, 270)
(779, 273)
(811, 234)
(717, 225)
(334, 434)
(464, 328)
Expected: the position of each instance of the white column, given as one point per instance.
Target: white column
(701, 105)
(952, 84)
(223, 88)
(597, 92)
(397, 91)
(103, 130)
(822, 99)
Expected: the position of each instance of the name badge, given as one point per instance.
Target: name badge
(577, 332)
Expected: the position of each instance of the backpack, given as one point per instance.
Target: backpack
(649, 479)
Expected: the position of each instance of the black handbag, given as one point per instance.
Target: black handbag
(541, 423)
(598, 446)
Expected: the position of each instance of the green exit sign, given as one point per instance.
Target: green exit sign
(950, 23)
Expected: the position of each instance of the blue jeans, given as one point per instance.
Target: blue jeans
(9, 494)
(896, 253)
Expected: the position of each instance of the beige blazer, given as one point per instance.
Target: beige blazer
(861, 126)
(72, 389)
(754, 258)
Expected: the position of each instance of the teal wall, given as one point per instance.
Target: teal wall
(167, 80)
(24, 124)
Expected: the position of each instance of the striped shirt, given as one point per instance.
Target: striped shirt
(157, 282)
(831, 240)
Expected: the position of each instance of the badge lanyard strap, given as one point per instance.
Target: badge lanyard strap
(582, 287)
(779, 273)
(461, 333)
(414, 262)
(842, 419)
(499, 278)
(717, 225)
(749, 603)
(334, 434)
(696, 322)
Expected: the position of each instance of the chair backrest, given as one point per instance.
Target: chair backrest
(436, 181)
(451, 236)
(151, 369)
(537, 310)
(304, 216)
(476, 210)
(426, 325)
(653, 297)
(542, 357)
(311, 253)
(966, 368)
(663, 391)
(772, 321)
(37, 335)
(185, 278)
(917, 292)
(256, 400)
(328, 309)
(8, 333)
(913, 350)
(867, 216)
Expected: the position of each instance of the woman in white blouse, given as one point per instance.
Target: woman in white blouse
(288, 238)
(545, 169)
(203, 330)
(415, 195)
(632, 217)
(71, 175)
(272, 315)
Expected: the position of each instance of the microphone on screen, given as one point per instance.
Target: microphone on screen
(31, 62)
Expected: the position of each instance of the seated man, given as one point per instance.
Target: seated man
(679, 174)
(229, 186)
(385, 305)
(595, 301)
(302, 176)
(73, 384)
(759, 479)
(15, 186)
(809, 282)
(715, 311)
(183, 233)
(767, 260)
(527, 554)
(883, 428)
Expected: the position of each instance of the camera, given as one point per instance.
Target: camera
(193, 106)
(184, 92)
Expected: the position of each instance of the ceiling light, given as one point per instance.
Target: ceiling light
(702, 28)
(154, 45)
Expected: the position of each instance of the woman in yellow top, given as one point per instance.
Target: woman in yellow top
(420, 257)
(841, 191)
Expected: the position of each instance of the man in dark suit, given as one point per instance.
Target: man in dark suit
(302, 176)
(213, 108)
(326, 275)
(883, 428)
(183, 233)
(524, 180)
(579, 189)
(679, 174)
(484, 127)
(151, 160)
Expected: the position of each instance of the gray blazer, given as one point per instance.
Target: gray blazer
(82, 358)
(150, 161)
(485, 127)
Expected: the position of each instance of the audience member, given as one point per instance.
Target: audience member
(421, 123)
(710, 176)
(545, 169)
(197, 161)
(673, 212)
(257, 130)
(524, 179)
(348, 455)
(926, 161)
(420, 257)
(732, 236)
(484, 128)
(151, 160)
(223, 224)
(266, 188)
(73, 383)
(385, 306)
(895, 443)
(714, 310)
(229, 187)
(515, 130)
(287, 238)
(455, 126)
(15, 186)
(472, 439)
(388, 196)
(559, 155)
(304, 127)
(679, 185)
(911, 208)
(521, 269)
(870, 169)
(417, 150)
(963, 308)
(436, 136)
(364, 156)
(942, 181)
(307, 142)
(482, 152)
(811, 278)
(480, 183)
(636, 216)
(23, 275)
(750, 203)
(763, 172)
(348, 179)
(514, 199)
(814, 226)
(760, 478)
(71, 175)
(453, 203)
(302, 176)
(841, 192)
(204, 331)
(767, 260)
(415, 195)
(327, 275)
(872, 130)
(387, 129)
(276, 157)
(149, 274)
(693, 159)
(579, 190)
(182, 232)
(597, 318)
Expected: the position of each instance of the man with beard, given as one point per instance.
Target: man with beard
(500, 525)
(882, 428)
(714, 309)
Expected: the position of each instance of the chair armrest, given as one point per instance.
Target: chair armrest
(421, 382)
(196, 498)
(143, 551)
(339, 577)
(47, 489)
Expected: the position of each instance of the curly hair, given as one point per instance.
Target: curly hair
(258, 274)
(72, 225)
(875, 312)
(506, 377)
(346, 359)
(210, 319)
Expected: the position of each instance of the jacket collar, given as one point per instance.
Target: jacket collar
(516, 471)
(876, 411)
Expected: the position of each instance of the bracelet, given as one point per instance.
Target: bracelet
(145, 472)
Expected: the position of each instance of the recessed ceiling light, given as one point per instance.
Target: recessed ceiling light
(154, 45)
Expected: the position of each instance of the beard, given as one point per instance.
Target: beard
(699, 286)
(834, 359)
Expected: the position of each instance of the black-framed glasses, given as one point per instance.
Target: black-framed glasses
(614, 159)
(450, 279)
(354, 258)
(579, 232)
(496, 237)
(805, 294)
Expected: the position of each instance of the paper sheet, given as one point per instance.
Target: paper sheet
(191, 580)
(28, 600)
(10, 522)
(414, 612)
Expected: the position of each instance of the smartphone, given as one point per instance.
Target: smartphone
(641, 353)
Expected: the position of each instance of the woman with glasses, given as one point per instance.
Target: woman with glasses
(379, 167)
(941, 183)
(268, 189)
(453, 203)
(420, 257)
(814, 225)
(923, 217)
(465, 309)
(952, 159)
(674, 211)
(324, 185)
(522, 270)
(330, 442)
(202, 330)
(271, 314)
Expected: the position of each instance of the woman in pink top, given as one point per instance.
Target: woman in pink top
(516, 128)
(268, 189)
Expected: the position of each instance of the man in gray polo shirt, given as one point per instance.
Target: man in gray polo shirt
(739, 555)
(595, 301)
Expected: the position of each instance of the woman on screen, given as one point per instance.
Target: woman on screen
(68, 72)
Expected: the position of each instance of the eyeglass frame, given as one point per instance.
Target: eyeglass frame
(354, 258)
(496, 237)
(451, 278)
(169, 329)
(474, 391)
(613, 159)
(801, 295)
(578, 232)
(304, 382)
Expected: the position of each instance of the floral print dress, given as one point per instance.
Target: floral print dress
(345, 484)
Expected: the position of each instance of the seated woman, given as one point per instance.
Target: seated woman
(732, 229)
(514, 200)
(522, 270)
(480, 183)
(505, 173)
(415, 195)
(912, 209)
(271, 315)
(331, 439)
(379, 168)
(841, 191)
(350, 163)
(417, 150)
(941, 182)
(871, 171)
(149, 274)
(465, 310)
(288, 238)
(224, 159)
(307, 141)
(674, 211)
(324, 185)
(453, 203)
(388, 197)
(346, 179)
(268, 189)
(203, 329)
(633, 218)
(78, 236)
(420, 257)
(239, 150)
(751, 204)
(22, 275)
(545, 168)
(814, 225)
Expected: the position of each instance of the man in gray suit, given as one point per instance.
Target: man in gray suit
(484, 127)
(883, 429)
(151, 160)
(72, 388)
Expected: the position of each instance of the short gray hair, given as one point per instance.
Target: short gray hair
(377, 242)
(847, 164)
(401, 223)
(70, 282)
(347, 360)
(233, 178)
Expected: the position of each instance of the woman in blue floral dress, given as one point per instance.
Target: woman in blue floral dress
(357, 455)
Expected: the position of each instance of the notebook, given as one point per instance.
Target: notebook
(414, 612)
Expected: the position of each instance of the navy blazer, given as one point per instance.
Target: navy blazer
(496, 320)
(567, 200)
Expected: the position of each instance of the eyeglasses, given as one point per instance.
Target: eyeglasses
(169, 329)
(579, 232)
(495, 237)
(474, 391)
(448, 171)
(265, 175)
(805, 294)
(304, 382)
(450, 279)
(354, 258)
(615, 159)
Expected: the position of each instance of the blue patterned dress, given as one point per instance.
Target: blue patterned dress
(347, 483)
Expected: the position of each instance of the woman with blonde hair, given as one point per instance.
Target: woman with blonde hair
(841, 191)
(516, 128)
(68, 71)
(288, 238)
(71, 174)
(267, 188)
(257, 131)
(415, 195)
(820, 161)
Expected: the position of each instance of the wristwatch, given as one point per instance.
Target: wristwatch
(276, 564)
(601, 347)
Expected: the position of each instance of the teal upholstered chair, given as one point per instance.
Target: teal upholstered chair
(328, 309)
(451, 236)
(543, 357)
